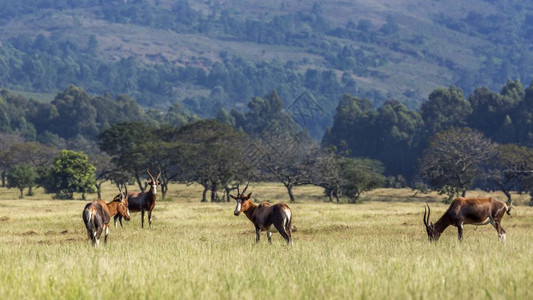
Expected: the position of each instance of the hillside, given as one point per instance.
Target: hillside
(213, 54)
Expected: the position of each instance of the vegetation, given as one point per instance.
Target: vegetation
(70, 172)
(372, 250)
(213, 55)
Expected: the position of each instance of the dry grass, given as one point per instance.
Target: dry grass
(376, 249)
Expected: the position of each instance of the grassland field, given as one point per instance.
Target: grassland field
(374, 250)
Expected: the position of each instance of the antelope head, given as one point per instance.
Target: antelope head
(433, 234)
(153, 182)
(123, 205)
(242, 199)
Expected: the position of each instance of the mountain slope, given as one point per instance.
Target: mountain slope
(401, 49)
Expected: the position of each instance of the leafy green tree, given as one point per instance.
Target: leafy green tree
(21, 177)
(128, 145)
(445, 108)
(71, 172)
(452, 161)
(489, 112)
(353, 126)
(76, 113)
(361, 175)
(522, 119)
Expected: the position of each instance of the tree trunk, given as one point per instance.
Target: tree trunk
(214, 193)
(141, 186)
(330, 195)
(228, 190)
(463, 194)
(99, 189)
(508, 195)
(204, 194)
(21, 193)
(3, 178)
(30, 191)
(338, 196)
(289, 190)
(164, 189)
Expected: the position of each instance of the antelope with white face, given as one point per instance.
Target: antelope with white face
(143, 201)
(474, 211)
(265, 217)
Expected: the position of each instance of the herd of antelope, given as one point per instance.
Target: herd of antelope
(278, 217)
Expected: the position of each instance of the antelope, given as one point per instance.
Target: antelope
(475, 211)
(266, 217)
(143, 201)
(96, 216)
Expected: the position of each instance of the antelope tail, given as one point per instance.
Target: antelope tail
(288, 222)
(90, 219)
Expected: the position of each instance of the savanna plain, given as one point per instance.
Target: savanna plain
(374, 250)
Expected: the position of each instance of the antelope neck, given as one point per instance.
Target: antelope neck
(250, 210)
(442, 224)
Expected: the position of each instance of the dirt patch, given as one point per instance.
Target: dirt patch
(4, 218)
(31, 232)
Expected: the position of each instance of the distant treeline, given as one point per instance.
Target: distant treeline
(397, 136)
(392, 133)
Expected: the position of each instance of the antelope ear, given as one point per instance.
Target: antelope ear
(249, 195)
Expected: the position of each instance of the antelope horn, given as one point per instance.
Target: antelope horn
(152, 177)
(238, 192)
(244, 191)
(428, 210)
(157, 178)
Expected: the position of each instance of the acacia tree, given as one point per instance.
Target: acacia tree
(327, 173)
(31, 154)
(510, 169)
(211, 155)
(21, 177)
(452, 161)
(127, 144)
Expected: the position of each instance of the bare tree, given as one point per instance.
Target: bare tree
(453, 159)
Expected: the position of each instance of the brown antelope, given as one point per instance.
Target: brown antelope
(97, 214)
(143, 201)
(266, 217)
(475, 211)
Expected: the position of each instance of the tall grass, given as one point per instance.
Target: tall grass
(373, 250)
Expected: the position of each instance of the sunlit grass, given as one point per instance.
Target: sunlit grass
(373, 250)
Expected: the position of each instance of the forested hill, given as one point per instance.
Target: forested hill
(214, 54)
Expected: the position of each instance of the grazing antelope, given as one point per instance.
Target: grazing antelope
(266, 217)
(143, 201)
(475, 211)
(96, 216)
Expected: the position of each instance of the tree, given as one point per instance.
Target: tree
(327, 173)
(287, 159)
(452, 161)
(444, 109)
(128, 144)
(511, 167)
(71, 172)
(210, 155)
(21, 177)
(489, 112)
(361, 175)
